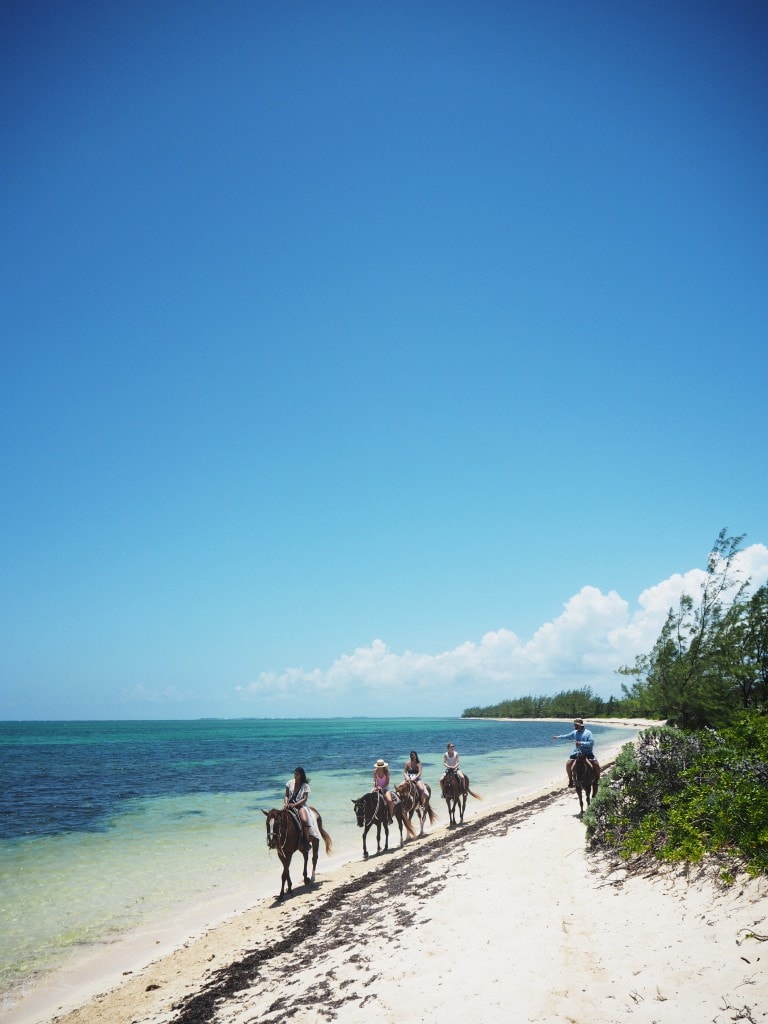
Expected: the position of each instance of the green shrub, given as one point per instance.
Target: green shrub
(682, 796)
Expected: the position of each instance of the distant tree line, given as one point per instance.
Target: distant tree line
(566, 704)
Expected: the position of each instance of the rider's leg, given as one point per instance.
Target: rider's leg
(442, 786)
(596, 768)
(569, 769)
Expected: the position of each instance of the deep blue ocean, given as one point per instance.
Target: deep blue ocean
(106, 827)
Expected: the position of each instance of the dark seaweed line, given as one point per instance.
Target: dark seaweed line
(200, 1008)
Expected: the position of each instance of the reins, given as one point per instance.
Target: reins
(282, 832)
(380, 800)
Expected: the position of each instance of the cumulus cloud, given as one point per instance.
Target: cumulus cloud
(595, 634)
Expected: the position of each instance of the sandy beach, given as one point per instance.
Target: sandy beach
(504, 915)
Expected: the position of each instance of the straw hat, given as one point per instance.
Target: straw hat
(381, 763)
(578, 721)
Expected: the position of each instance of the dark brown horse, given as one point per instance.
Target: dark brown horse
(585, 780)
(285, 834)
(410, 798)
(371, 809)
(455, 792)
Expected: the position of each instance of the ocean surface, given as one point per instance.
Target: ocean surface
(107, 828)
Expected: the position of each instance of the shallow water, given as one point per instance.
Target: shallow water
(106, 827)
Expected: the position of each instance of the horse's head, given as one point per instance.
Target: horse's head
(406, 792)
(271, 828)
(583, 772)
(359, 806)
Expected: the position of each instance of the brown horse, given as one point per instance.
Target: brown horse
(455, 792)
(585, 780)
(410, 798)
(285, 834)
(371, 809)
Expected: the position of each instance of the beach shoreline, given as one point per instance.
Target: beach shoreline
(101, 989)
(506, 908)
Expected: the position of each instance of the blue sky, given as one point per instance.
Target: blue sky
(366, 358)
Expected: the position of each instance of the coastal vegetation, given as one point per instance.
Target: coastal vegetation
(583, 702)
(697, 787)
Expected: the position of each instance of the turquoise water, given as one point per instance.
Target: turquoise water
(106, 827)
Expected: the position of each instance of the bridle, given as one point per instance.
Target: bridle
(277, 834)
(583, 765)
(452, 777)
(412, 794)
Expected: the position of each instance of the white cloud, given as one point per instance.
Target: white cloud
(596, 634)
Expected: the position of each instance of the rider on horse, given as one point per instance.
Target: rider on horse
(412, 773)
(451, 761)
(296, 797)
(381, 785)
(583, 743)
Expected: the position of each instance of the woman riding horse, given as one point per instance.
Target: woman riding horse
(381, 785)
(296, 799)
(412, 773)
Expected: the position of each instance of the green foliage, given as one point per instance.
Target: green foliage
(566, 704)
(711, 657)
(683, 796)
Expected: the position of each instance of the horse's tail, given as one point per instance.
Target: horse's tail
(326, 838)
(431, 814)
(470, 791)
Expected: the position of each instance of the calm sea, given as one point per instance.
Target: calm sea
(107, 827)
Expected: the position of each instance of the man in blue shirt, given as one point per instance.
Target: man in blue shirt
(583, 743)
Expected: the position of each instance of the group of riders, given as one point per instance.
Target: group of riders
(297, 789)
(412, 772)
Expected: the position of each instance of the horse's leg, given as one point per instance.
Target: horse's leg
(315, 851)
(286, 879)
(365, 833)
(306, 865)
(418, 808)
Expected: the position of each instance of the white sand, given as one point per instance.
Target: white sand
(503, 918)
